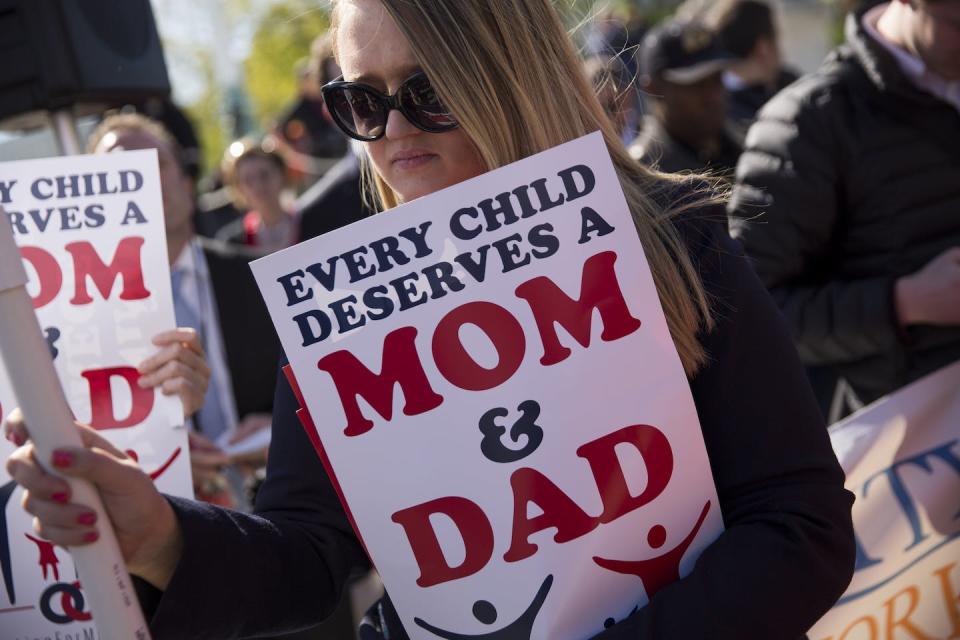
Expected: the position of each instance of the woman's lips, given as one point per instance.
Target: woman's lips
(412, 160)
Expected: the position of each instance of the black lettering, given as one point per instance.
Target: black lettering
(41, 220)
(325, 278)
(293, 286)
(130, 181)
(509, 252)
(104, 184)
(491, 213)
(93, 215)
(314, 326)
(35, 188)
(16, 221)
(523, 197)
(386, 250)
(68, 218)
(591, 222)
(541, 237)
(356, 263)
(346, 314)
(456, 224)
(377, 298)
(133, 213)
(546, 203)
(570, 184)
(68, 187)
(5, 188)
(475, 267)
(417, 235)
(441, 274)
(407, 291)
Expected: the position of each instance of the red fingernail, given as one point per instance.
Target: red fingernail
(60, 496)
(92, 536)
(87, 519)
(62, 459)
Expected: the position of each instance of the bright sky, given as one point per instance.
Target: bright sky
(188, 26)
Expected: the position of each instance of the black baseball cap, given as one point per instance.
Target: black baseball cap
(682, 52)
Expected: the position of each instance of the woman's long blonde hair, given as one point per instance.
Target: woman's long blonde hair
(508, 70)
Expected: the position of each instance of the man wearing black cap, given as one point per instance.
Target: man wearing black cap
(682, 68)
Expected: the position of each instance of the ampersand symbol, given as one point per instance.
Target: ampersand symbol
(492, 445)
(52, 335)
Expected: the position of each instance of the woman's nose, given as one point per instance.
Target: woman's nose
(398, 126)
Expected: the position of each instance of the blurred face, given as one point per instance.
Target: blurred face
(260, 182)
(935, 34)
(694, 113)
(175, 186)
(412, 162)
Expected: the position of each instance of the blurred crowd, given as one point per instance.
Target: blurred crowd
(843, 185)
(843, 189)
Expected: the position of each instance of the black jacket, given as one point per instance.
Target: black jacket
(745, 102)
(335, 200)
(851, 179)
(786, 555)
(656, 148)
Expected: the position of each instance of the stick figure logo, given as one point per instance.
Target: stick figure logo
(485, 612)
(48, 557)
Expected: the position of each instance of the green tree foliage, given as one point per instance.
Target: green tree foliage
(281, 39)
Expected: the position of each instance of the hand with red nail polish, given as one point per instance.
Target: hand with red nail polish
(145, 525)
(62, 459)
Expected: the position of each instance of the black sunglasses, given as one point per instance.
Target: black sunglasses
(361, 111)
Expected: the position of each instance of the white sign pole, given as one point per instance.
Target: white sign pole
(100, 565)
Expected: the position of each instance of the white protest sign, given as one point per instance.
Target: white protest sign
(902, 460)
(499, 401)
(91, 235)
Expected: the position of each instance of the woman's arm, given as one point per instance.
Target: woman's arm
(280, 569)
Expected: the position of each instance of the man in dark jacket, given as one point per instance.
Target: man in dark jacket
(215, 294)
(682, 67)
(848, 199)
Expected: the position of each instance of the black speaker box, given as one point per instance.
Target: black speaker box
(62, 53)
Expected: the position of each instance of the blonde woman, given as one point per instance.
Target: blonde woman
(441, 91)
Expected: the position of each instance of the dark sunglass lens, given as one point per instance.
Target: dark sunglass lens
(423, 104)
(359, 111)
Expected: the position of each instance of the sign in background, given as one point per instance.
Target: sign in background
(91, 233)
(497, 397)
(902, 459)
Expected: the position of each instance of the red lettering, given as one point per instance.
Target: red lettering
(125, 264)
(599, 290)
(101, 398)
(473, 526)
(608, 472)
(401, 365)
(503, 330)
(49, 275)
(559, 511)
